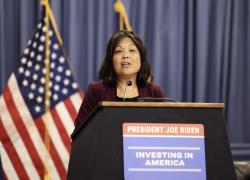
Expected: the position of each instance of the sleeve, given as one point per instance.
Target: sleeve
(158, 93)
(90, 100)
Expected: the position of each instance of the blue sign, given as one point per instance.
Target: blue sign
(154, 151)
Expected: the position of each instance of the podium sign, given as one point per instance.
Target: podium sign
(97, 145)
(163, 151)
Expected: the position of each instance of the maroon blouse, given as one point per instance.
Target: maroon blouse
(97, 92)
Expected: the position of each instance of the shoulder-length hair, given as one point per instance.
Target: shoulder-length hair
(107, 73)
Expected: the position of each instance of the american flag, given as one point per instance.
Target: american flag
(22, 111)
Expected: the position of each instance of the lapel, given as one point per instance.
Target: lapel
(110, 93)
(142, 91)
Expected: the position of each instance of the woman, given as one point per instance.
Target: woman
(125, 74)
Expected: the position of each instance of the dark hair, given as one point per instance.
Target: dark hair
(107, 73)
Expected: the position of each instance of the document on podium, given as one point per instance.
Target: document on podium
(163, 151)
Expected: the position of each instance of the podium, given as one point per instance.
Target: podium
(97, 144)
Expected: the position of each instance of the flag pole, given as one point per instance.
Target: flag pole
(53, 22)
(45, 3)
(123, 16)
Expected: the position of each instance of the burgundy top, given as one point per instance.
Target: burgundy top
(97, 92)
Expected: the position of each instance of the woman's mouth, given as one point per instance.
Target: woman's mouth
(125, 64)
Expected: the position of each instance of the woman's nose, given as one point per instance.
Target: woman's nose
(125, 54)
(125, 57)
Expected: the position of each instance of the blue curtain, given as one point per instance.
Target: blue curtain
(199, 49)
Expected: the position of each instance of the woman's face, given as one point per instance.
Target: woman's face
(126, 59)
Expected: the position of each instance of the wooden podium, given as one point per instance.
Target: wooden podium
(97, 147)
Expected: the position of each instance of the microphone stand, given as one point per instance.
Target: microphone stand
(129, 83)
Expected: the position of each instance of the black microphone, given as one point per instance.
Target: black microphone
(129, 83)
(151, 99)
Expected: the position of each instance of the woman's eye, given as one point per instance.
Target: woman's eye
(132, 50)
(118, 51)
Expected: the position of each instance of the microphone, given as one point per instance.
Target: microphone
(151, 99)
(129, 83)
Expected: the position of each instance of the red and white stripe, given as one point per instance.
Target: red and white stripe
(22, 148)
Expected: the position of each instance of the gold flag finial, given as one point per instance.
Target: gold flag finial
(123, 17)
